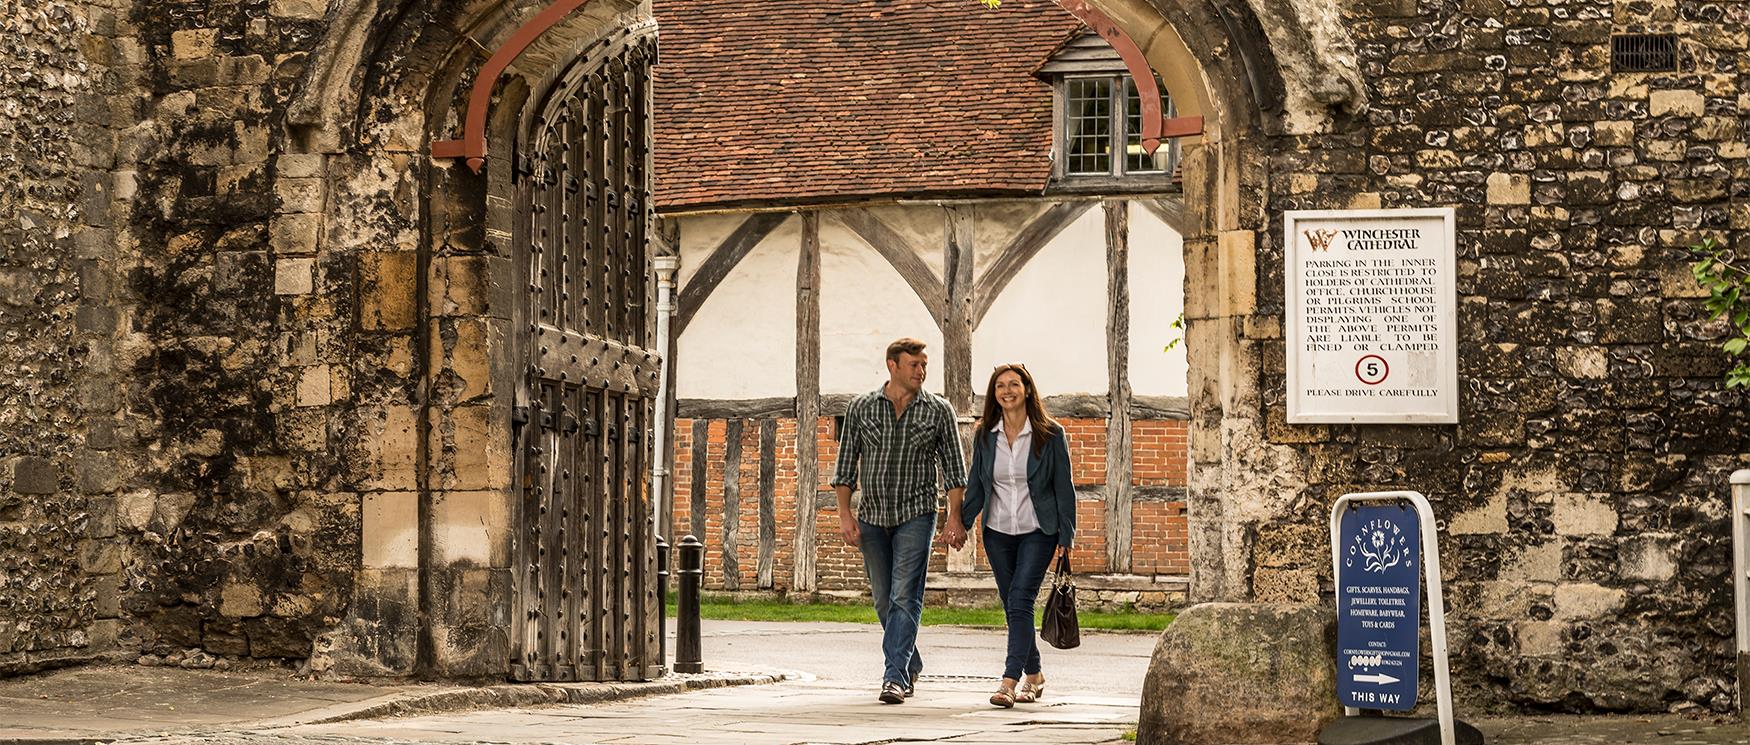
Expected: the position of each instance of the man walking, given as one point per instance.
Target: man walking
(896, 437)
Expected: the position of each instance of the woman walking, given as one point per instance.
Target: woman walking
(1020, 481)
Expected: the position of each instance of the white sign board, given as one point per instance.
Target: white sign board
(1372, 316)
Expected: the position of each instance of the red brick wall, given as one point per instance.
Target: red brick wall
(1158, 456)
(1159, 451)
(1158, 544)
(1087, 450)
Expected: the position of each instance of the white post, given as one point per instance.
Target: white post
(1741, 570)
(1436, 601)
(665, 269)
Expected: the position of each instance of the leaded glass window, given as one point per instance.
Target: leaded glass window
(1101, 129)
(1088, 125)
(1137, 160)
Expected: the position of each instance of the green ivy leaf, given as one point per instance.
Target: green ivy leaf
(1715, 270)
(1178, 326)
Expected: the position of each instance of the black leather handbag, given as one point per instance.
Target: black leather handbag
(1060, 628)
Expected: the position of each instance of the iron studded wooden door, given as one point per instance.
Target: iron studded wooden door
(586, 605)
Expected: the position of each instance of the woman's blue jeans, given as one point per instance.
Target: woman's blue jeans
(1019, 563)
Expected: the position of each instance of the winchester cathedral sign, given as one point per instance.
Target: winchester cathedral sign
(1372, 316)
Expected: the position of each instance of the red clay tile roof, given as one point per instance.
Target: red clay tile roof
(809, 101)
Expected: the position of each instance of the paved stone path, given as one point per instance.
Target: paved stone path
(1092, 695)
(792, 712)
(111, 701)
(1092, 698)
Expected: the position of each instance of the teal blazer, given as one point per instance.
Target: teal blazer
(1048, 482)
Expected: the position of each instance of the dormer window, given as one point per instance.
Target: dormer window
(1099, 119)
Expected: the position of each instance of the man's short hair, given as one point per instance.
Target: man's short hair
(906, 345)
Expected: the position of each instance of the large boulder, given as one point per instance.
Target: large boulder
(1241, 674)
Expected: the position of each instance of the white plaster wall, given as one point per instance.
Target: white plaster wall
(1052, 315)
(742, 342)
(699, 239)
(864, 306)
(997, 225)
(1157, 296)
(924, 228)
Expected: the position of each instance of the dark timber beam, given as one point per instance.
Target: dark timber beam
(1092, 406)
(748, 408)
(701, 451)
(721, 262)
(732, 505)
(1118, 386)
(957, 318)
(807, 399)
(900, 254)
(1170, 211)
(768, 503)
(1021, 250)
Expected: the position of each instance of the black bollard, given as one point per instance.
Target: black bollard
(687, 654)
(662, 549)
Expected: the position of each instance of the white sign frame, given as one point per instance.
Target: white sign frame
(1442, 408)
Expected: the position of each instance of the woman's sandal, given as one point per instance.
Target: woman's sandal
(1004, 697)
(1030, 692)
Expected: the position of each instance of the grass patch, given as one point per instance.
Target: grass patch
(727, 608)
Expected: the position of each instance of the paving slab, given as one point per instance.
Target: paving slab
(801, 711)
(106, 701)
(132, 702)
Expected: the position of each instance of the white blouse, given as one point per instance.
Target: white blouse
(1011, 504)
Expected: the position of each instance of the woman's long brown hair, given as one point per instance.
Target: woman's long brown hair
(1044, 427)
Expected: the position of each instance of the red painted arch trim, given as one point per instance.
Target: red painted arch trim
(473, 143)
(1154, 126)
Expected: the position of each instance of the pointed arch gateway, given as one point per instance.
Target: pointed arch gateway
(514, 576)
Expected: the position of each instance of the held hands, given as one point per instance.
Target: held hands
(954, 534)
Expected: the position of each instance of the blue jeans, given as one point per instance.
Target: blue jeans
(1019, 563)
(896, 559)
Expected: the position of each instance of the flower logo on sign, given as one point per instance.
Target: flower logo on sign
(1380, 545)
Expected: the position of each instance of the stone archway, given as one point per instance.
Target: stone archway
(437, 278)
(1250, 70)
(428, 242)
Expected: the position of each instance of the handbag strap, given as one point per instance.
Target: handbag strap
(1062, 574)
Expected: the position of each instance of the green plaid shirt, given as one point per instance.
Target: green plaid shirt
(899, 455)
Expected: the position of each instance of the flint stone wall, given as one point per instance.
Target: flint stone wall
(60, 565)
(1583, 493)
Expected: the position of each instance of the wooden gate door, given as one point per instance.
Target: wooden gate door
(586, 595)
